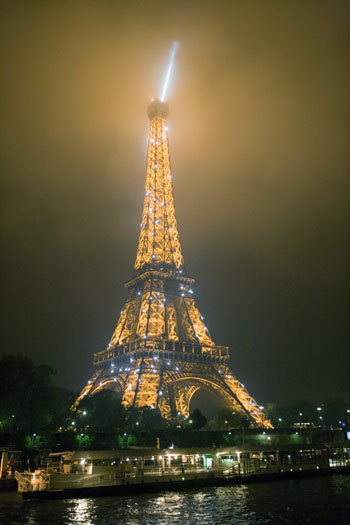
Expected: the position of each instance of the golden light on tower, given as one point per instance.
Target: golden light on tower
(161, 351)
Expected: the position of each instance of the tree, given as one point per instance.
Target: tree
(327, 414)
(144, 418)
(335, 412)
(101, 412)
(84, 441)
(198, 419)
(227, 418)
(30, 404)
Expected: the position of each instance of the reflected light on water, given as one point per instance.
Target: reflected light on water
(81, 511)
(169, 507)
(325, 499)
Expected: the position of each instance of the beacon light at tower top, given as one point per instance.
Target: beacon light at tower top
(168, 73)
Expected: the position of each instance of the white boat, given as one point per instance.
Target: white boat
(103, 468)
(102, 472)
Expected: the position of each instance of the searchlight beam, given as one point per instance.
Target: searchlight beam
(168, 73)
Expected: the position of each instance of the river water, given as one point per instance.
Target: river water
(310, 500)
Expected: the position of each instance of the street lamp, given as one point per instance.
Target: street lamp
(300, 414)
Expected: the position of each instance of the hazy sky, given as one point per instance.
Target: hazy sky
(259, 136)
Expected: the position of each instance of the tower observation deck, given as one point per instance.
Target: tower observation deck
(161, 351)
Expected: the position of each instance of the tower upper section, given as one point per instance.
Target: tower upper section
(159, 245)
(157, 109)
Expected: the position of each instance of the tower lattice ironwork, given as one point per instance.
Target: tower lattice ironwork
(161, 351)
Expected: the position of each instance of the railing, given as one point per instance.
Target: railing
(29, 481)
(90, 480)
(24, 484)
(32, 481)
(174, 349)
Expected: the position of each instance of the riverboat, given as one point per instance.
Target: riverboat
(93, 473)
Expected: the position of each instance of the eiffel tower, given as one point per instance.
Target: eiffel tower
(161, 351)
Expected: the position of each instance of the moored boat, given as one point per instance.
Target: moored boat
(102, 472)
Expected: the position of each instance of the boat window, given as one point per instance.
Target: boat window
(110, 462)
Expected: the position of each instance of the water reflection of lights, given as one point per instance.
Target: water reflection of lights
(81, 512)
(169, 507)
(199, 497)
(234, 504)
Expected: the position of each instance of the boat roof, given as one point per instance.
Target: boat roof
(149, 452)
(136, 452)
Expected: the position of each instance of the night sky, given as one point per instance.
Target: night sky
(259, 135)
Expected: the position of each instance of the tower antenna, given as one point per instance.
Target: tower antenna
(170, 66)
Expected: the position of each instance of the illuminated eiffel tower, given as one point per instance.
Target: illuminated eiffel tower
(161, 352)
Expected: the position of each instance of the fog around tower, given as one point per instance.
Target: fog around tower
(258, 131)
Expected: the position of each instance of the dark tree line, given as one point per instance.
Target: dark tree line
(331, 413)
(36, 413)
(31, 405)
